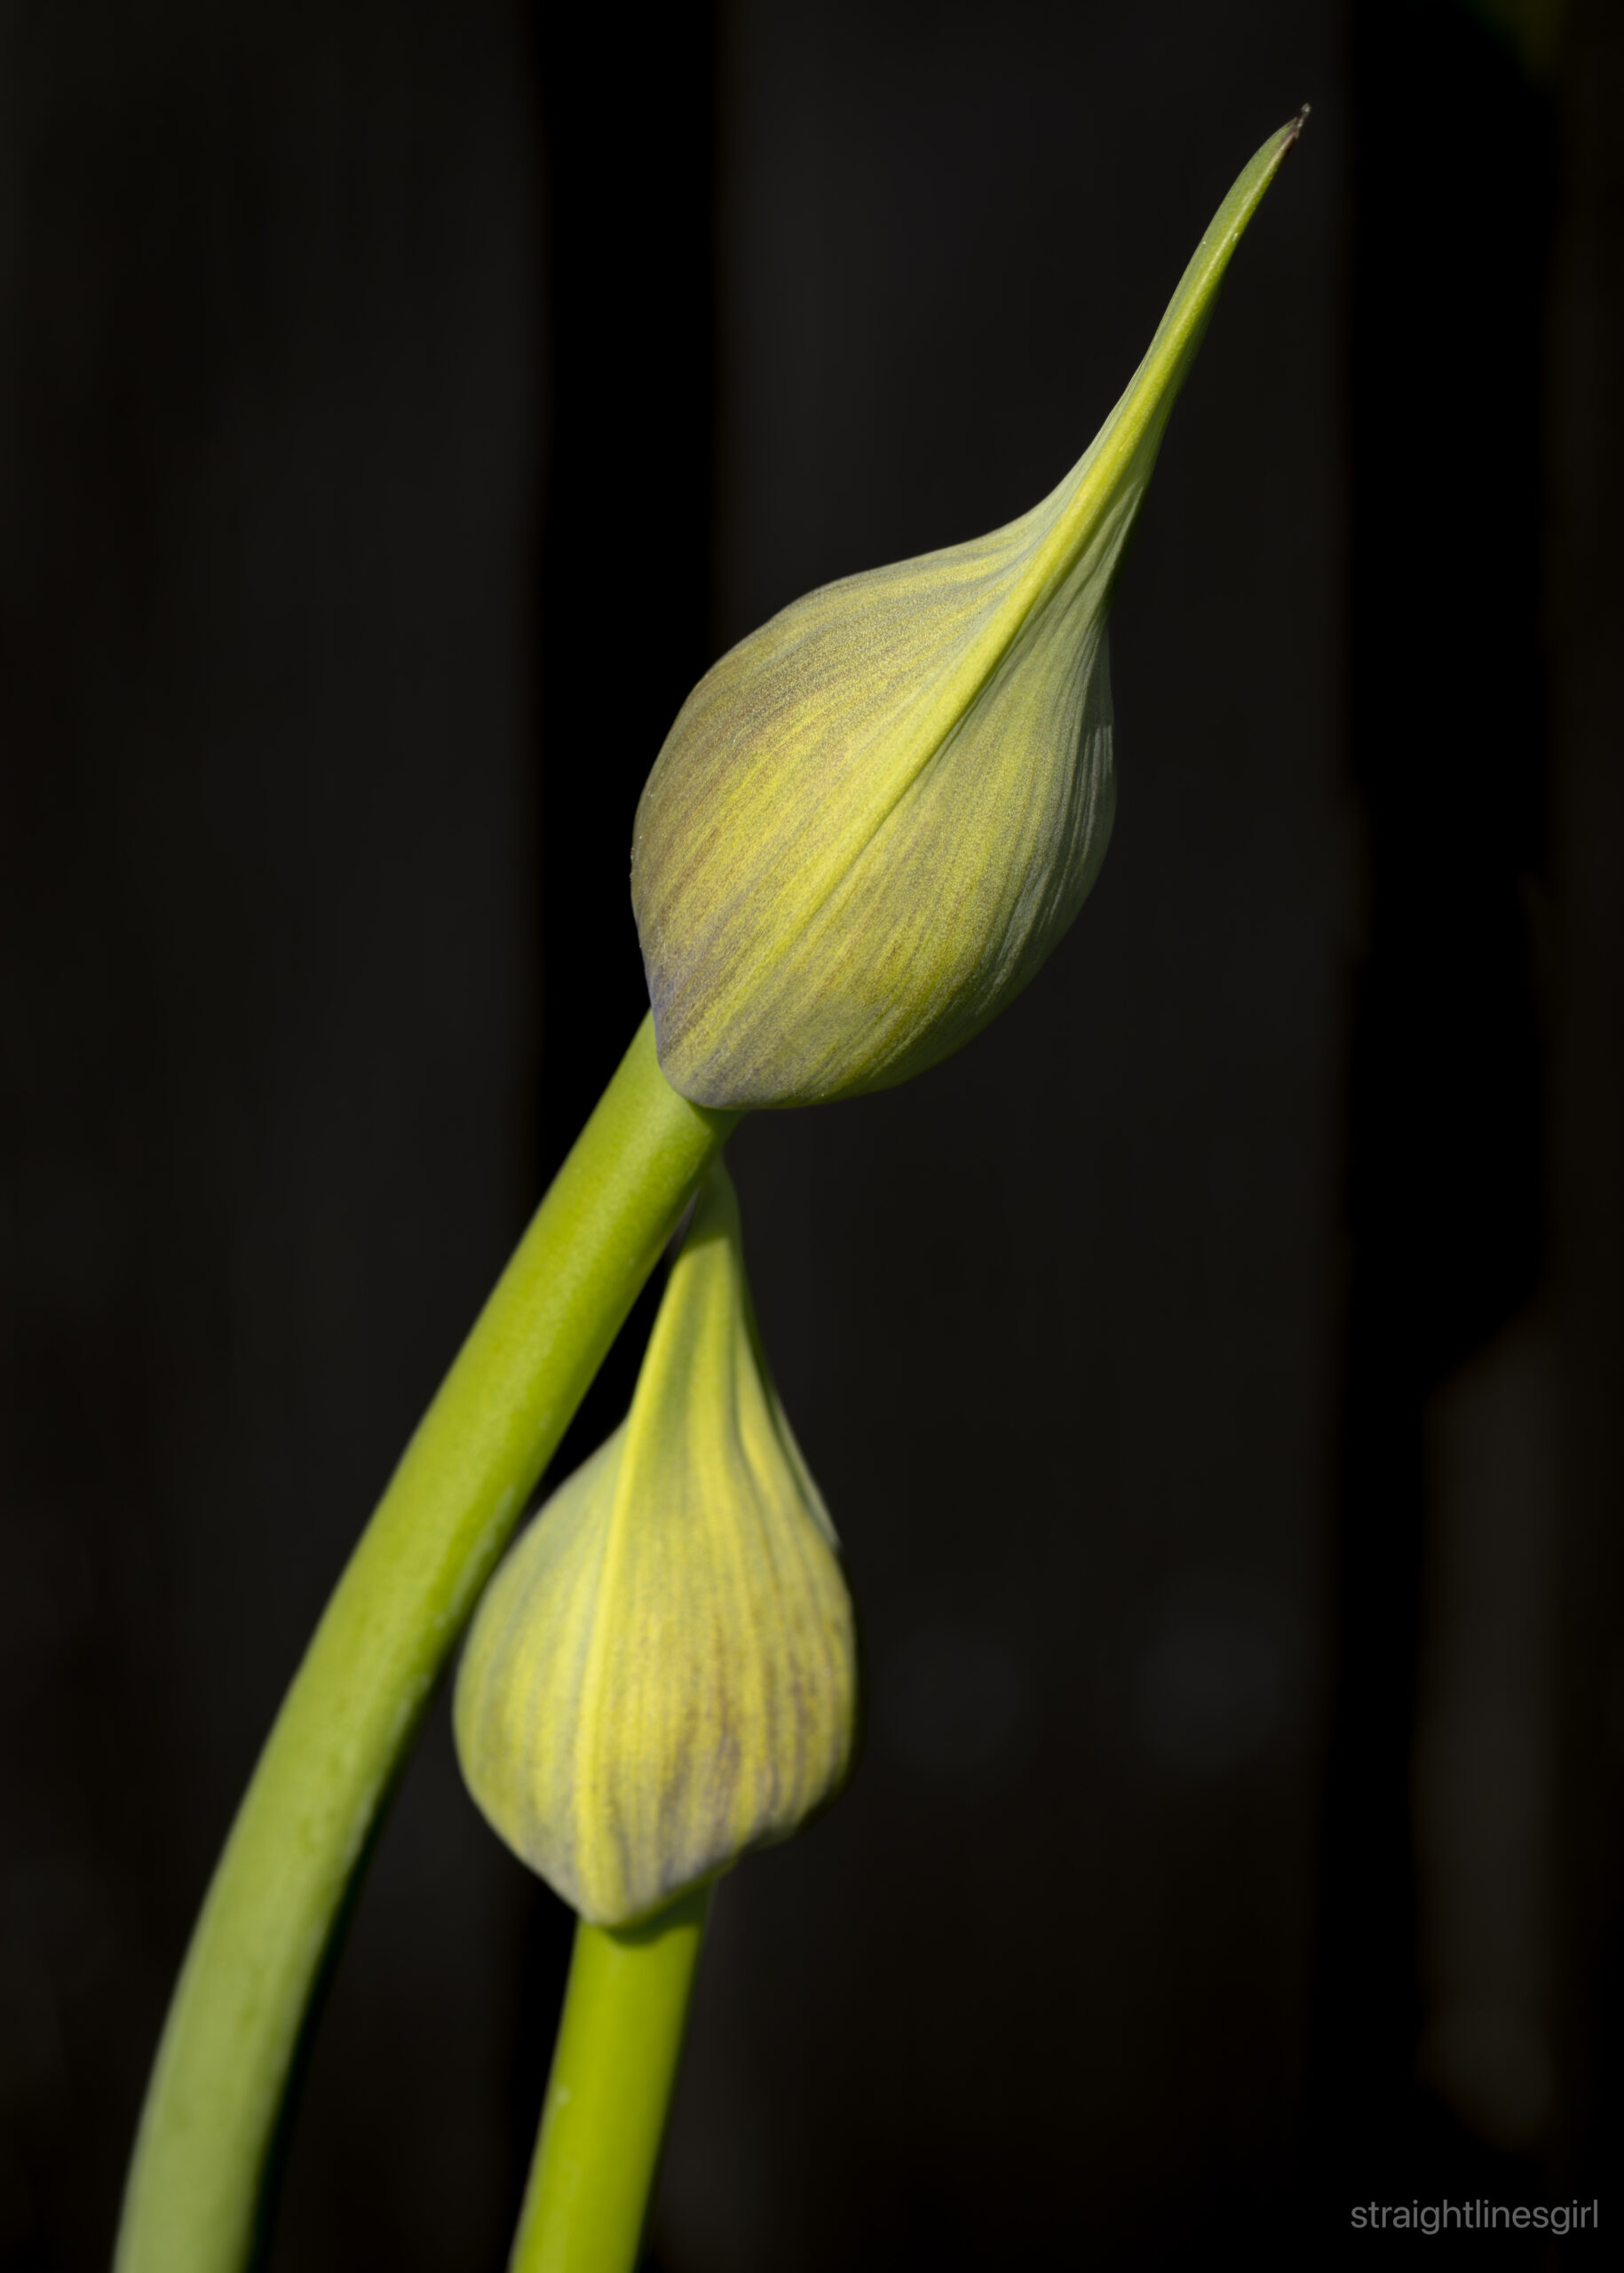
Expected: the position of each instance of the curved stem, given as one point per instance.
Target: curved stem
(614, 2070)
(194, 2199)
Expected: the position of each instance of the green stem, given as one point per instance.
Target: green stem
(614, 2069)
(194, 2200)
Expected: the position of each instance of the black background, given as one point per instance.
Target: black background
(1213, 1373)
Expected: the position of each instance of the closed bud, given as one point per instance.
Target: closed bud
(875, 818)
(663, 1672)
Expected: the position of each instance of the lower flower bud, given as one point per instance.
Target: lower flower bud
(662, 1673)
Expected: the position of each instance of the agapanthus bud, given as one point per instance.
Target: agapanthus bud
(875, 818)
(663, 1672)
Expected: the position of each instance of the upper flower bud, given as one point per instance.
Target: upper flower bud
(875, 818)
(663, 1672)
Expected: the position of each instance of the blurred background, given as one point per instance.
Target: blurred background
(1213, 1373)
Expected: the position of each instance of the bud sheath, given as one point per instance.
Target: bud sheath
(875, 818)
(663, 1672)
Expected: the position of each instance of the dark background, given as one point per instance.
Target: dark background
(1213, 1374)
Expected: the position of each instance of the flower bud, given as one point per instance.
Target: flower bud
(663, 1672)
(875, 818)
